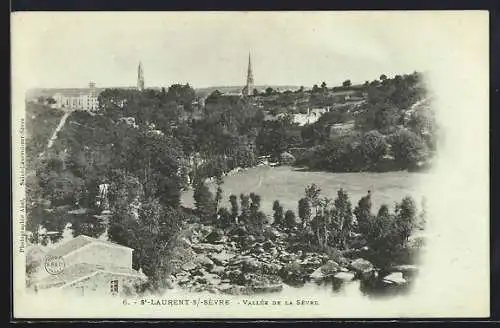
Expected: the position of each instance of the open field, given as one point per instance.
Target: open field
(287, 185)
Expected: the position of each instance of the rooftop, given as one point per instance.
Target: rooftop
(78, 242)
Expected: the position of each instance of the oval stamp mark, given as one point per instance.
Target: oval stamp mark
(54, 264)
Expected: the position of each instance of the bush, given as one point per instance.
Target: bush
(408, 148)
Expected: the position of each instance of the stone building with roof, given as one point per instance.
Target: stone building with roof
(90, 266)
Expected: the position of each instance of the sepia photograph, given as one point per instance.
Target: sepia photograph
(250, 164)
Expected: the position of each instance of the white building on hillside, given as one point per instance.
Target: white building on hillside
(78, 99)
(311, 117)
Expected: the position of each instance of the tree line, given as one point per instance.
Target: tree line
(321, 224)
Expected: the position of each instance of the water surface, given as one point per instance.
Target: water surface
(287, 185)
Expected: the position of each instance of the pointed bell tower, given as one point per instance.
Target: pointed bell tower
(250, 83)
(140, 78)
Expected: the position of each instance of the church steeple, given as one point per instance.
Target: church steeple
(140, 78)
(250, 84)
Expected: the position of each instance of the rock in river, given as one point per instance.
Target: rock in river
(344, 276)
(325, 271)
(395, 278)
(293, 274)
(361, 266)
(408, 270)
(263, 283)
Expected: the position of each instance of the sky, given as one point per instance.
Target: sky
(62, 49)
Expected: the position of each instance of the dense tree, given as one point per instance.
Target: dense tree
(257, 223)
(363, 215)
(315, 134)
(312, 193)
(186, 136)
(386, 117)
(381, 233)
(290, 220)
(321, 224)
(204, 201)
(304, 211)
(34, 207)
(218, 192)
(342, 218)
(269, 91)
(149, 235)
(389, 232)
(125, 191)
(273, 138)
(340, 154)
(245, 208)
(225, 218)
(255, 203)
(87, 224)
(234, 207)
(346, 83)
(407, 148)
(373, 147)
(278, 216)
(181, 94)
(405, 218)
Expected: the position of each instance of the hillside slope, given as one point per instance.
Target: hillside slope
(41, 122)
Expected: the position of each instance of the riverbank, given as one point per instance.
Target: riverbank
(232, 261)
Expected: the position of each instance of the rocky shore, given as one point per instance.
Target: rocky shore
(234, 262)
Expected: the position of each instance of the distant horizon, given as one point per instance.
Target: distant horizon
(97, 86)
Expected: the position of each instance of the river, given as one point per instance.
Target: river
(287, 184)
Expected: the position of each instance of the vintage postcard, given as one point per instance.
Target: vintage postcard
(250, 164)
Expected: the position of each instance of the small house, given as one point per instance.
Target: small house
(90, 266)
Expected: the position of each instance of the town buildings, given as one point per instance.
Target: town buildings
(79, 98)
